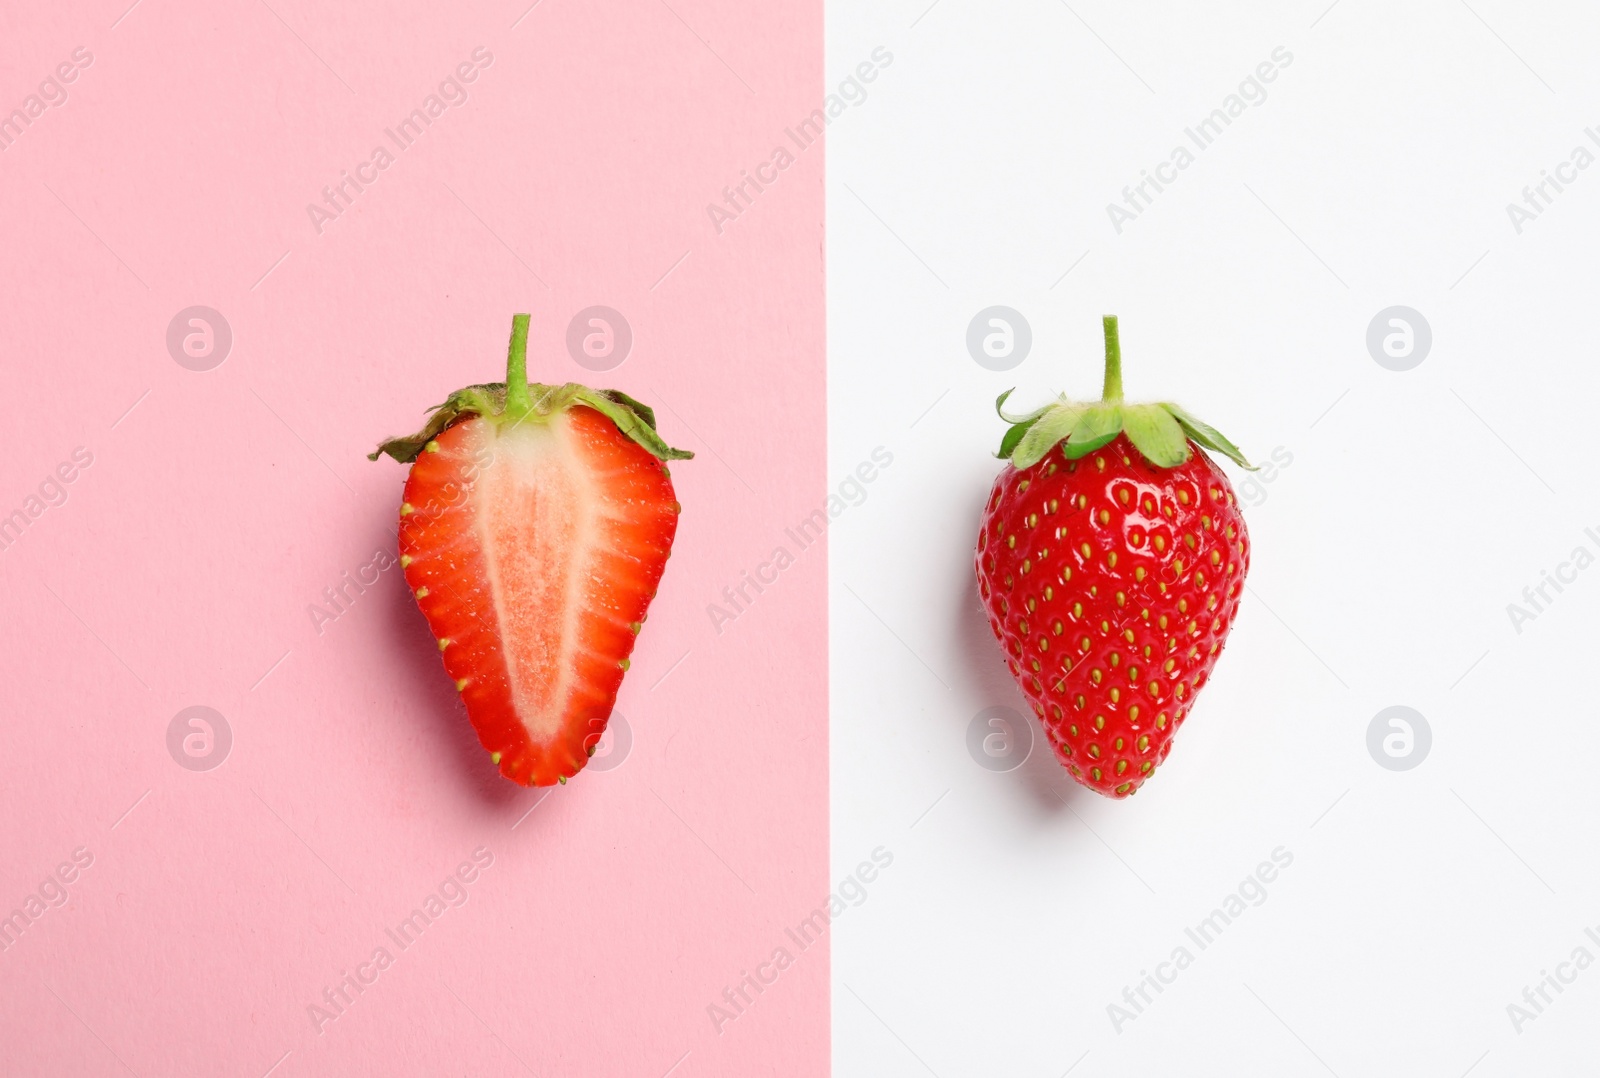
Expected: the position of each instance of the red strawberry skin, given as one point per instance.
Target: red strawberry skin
(1112, 584)
(534, 548)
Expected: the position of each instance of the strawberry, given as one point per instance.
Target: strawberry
(535, 525)
(1111, 563)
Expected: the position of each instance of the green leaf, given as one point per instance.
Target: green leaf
(1208, 436)
(486, 399)
(1045, 433)
(646, 413)
(999, 407)
(1013, 435)
(636, 420)
(1097, 425)
(1155, 433)
(638, 426)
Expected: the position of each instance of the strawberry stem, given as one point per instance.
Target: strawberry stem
(1113, 383)
(517, 402)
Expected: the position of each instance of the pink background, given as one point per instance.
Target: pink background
(215, 512)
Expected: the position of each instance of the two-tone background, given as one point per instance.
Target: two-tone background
(1358, 238)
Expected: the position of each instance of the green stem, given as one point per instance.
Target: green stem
(517, 402)
(1113, 383)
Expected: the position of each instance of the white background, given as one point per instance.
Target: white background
(1418, 505)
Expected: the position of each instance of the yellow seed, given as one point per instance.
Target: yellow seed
(1122, 599)
(1147, 767)
(1079, 702)
(432, 446)
(1116, 695)
(422, 592)
(405, 560)
(1143, 742)
(1161, 542)
(1057, 627)
(406, 509)
(1111, 559)
(1122, 765)
(1094, 773)
(624, 663)
(1011, 542)
(1094, 752)
(1161, 721)
(462, 684)
(1123, 495)
(494, 757)
(1073, 729)
(1105, 517)
(1183, 496)
(1155, 689)
(444, 642)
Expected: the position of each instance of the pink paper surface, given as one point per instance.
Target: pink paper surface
(209, 910)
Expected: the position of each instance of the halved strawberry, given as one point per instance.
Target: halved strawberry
(535, 525)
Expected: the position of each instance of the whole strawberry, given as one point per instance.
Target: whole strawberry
(534, 528)
(1111, 564)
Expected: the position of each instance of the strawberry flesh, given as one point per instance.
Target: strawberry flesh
(534, 547)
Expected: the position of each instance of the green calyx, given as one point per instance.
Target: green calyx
(515, 401)
(1161, 432)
